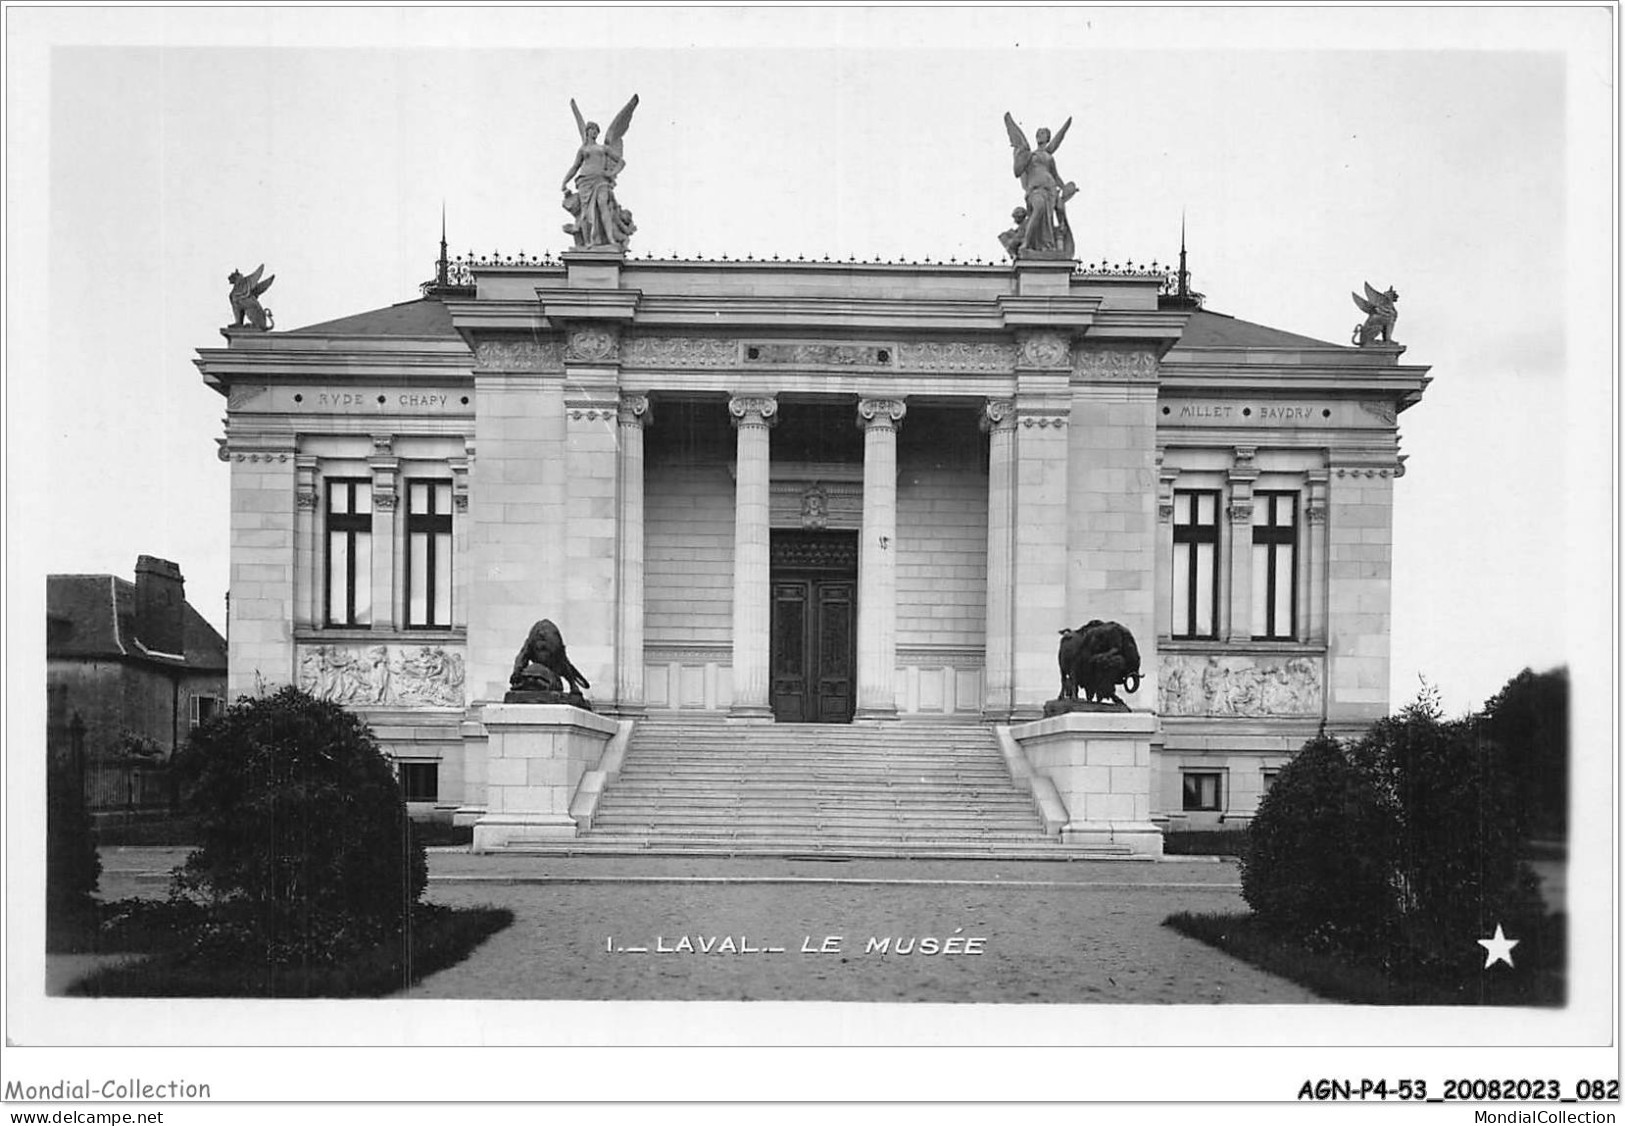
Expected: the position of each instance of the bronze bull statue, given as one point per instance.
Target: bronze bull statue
(542, 664)
(1096, 658)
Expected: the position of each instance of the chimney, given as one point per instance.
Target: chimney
(160, 600)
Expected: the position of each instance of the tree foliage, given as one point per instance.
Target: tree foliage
(72, 866)
(1529, 718)
(306, 853)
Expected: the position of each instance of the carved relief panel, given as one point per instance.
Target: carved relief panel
(1241, 685)
(407, 676)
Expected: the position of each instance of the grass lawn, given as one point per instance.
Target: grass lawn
(439, 937)
(1536, 978)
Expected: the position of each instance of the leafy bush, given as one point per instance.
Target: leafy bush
(1320, 865)
(1460, 826)
(1407, 842)
(305, 853)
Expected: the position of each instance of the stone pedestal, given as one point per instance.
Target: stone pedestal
(536, 756)
(1100, 766)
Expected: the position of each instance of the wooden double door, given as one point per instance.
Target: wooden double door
(814, 626)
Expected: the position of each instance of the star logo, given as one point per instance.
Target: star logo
(1497, 949)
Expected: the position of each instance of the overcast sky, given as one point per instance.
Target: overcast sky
(170, 148)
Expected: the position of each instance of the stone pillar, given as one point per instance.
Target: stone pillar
(459, 540)
(1359, 539)
(1112, 504)
(752, 418)
(1043, 412)
(307, 553)
(1312, 539)
(877, 560)
(516, 506)
(1238, 581)
(591, 510)
(387, 570)
(999, 422)
(634, 416)
(1166, 477)
(263, 512)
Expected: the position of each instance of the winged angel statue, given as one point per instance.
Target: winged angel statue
(1043, 231)
(599, 219)
(245, 298)
(1380, 316)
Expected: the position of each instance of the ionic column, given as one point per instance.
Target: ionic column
(752, 418)
(305, 550)
(1239, 581)
(633, 417)
(877, 560)
(387, 570)
(998, 421)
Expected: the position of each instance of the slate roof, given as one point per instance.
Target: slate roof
(1207, 329)
(425, 316)
(93, 616)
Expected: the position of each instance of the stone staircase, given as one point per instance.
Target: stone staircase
(817, 790)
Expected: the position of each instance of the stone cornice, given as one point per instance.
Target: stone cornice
(1072, 311)
(345, 362)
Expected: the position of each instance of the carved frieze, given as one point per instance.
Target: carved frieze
(518, 355)
(592, 345)
(950, 356)
(242, 395)
(1380, 410)
(1043, 419)
(1125, 364)
(1044, 350)
(305, 498)
(1240, 685)
(1240, 512)
(680, 352)
(815, 354)
(421, 676)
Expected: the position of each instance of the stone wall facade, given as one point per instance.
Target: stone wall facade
(1010, 450)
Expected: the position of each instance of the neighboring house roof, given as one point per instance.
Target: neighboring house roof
(423, 317)
(93, 616)
(1207, 329)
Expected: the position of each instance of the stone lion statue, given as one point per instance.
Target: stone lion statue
(542, 664)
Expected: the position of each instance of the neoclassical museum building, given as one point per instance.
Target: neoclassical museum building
(807, 523)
